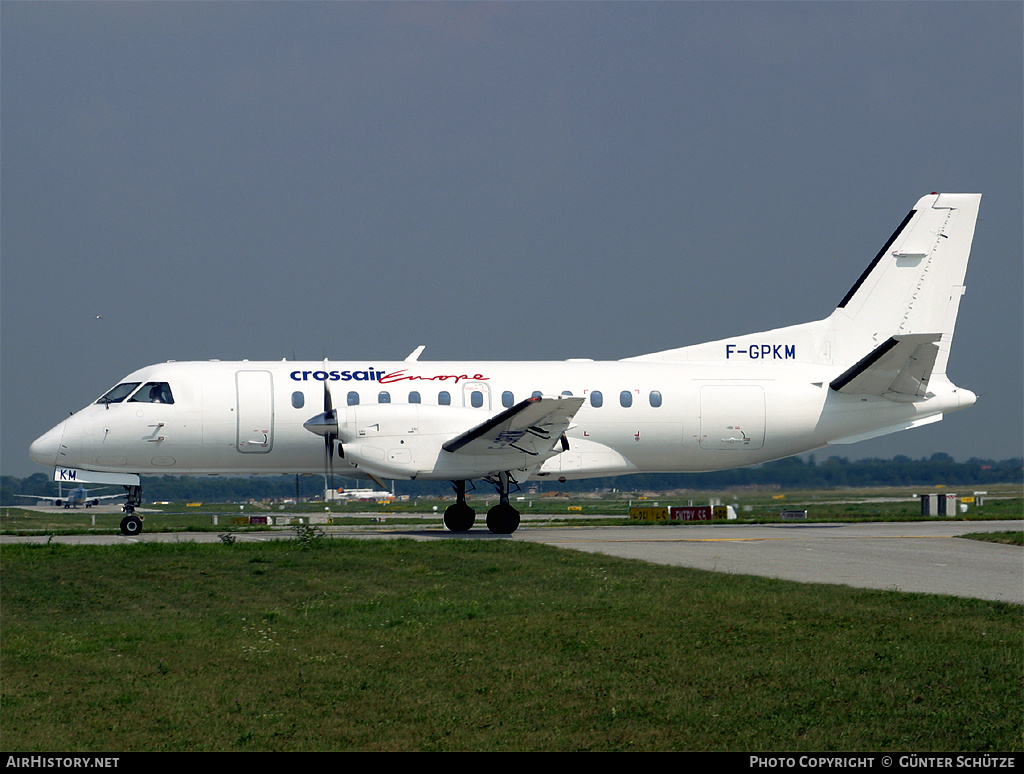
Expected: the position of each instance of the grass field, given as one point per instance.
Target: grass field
(482, 645)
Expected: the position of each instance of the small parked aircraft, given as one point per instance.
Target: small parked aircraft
(78, 496)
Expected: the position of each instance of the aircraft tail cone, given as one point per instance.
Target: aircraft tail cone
(966, 397)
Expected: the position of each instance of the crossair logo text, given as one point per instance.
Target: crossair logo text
(761, 352)
(369, 375)
(373, 375)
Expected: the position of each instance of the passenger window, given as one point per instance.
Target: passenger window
(476, 399)
(625, 399)
(298, 400)
(414, 397)
(567, 393)
(596, 399)
(536, 394)
(507, 400)
(352, 399)
(655, 398)
(153, 392)
(383, 397)
(444, 398)
(119, 393)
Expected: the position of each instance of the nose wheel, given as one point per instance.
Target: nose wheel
(131, 524)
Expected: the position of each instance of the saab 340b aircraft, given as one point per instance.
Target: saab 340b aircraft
(876, 365)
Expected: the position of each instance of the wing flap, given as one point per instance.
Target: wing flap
(898, 369)
(533, 426)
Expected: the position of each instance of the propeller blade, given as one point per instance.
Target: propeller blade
(326, 424)
(328, 403)
(328, 462)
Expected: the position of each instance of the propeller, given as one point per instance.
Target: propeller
(329, 439)
(326, 424)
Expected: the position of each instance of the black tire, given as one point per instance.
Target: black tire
(131, 525)
(503, 519)
(459, 517)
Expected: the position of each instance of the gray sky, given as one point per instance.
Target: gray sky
(493, 180)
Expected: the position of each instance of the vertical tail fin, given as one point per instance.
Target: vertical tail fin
(891, 332)
(914, 284)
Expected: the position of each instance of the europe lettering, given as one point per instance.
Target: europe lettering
(761, 352)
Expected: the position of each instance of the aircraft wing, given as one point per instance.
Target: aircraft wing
(533, 426)
(898, 369)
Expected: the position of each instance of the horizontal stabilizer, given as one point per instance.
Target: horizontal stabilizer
(533, 426)
(898, 369)
(870, 434)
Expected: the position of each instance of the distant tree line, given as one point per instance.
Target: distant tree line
(790, 473)
(839, 472)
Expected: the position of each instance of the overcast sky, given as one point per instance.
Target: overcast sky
(494, 180)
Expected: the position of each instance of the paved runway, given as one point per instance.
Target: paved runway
(921, 557)
(900, 556)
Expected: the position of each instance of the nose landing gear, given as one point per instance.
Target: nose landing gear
(131, 525)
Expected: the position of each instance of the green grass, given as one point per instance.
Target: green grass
(1011, 537)
(346, 644)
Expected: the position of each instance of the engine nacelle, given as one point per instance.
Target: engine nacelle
(403, 440)
(402, 420)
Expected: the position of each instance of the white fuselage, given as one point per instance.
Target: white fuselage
(247, 417)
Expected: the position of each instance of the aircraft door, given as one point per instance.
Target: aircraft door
(255, 410)
(732, 417)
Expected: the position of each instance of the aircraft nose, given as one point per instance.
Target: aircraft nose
(45, 448)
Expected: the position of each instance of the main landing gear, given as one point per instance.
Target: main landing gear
(131, 525)
(459, 516)
(502, 519)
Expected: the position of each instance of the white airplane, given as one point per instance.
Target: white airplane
(358, 494)
(875, 365)
(77, 496)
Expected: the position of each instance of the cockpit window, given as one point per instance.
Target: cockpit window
(153, 392)
(119, 393)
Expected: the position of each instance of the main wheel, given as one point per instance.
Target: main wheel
(503, 519)
(131, 525)
(459, 517)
